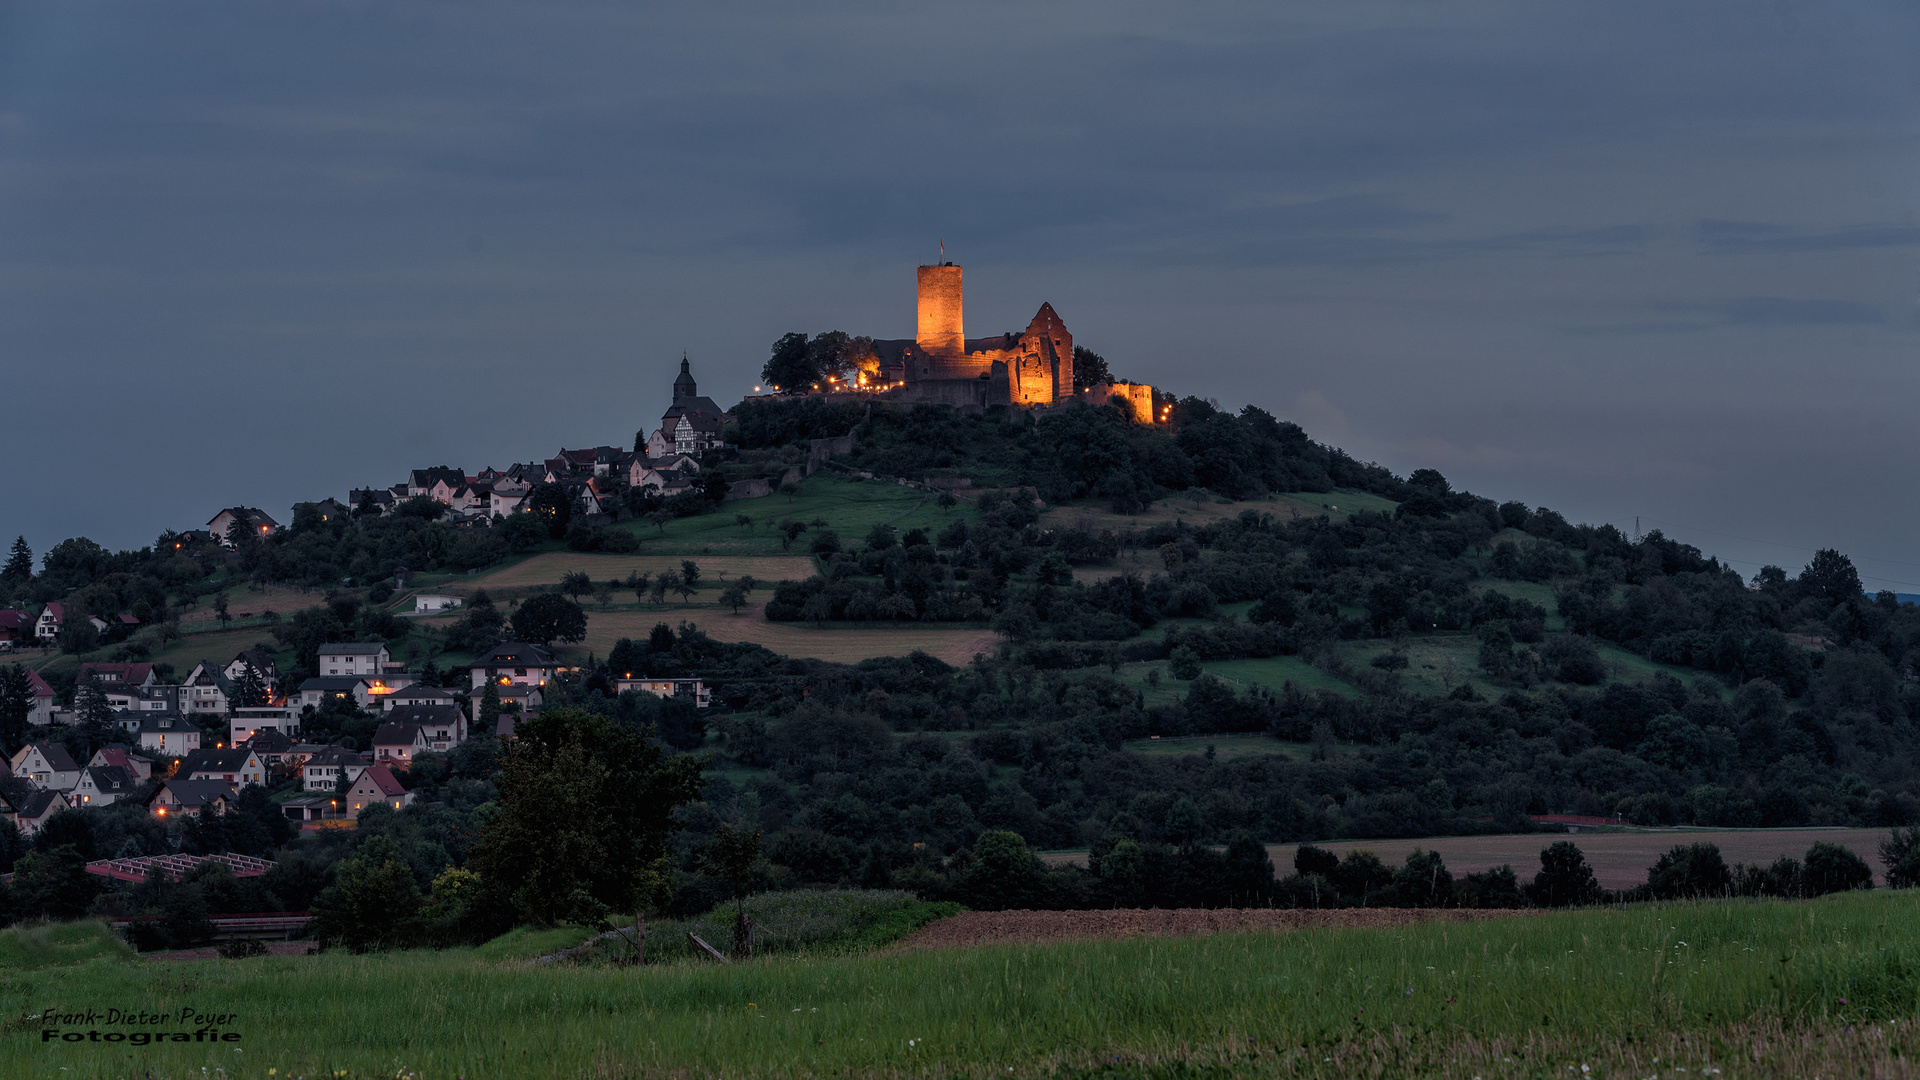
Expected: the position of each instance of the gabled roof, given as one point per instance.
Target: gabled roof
(424, 478)
(16, 792)
(110, 779)
(57, 757)
(168, 723)
(383, 780)
(352, 648)
(335, 755)
(194, 794)
(252, 515)
(14, 620)
(118, 674)
(112, 756)
(40, 687)
(424, 716)
(35, 806)
(215, 761)
(513, 654)
(394, 734)
(269, 741)
(437, 693)
(55, 608)
(332, 684)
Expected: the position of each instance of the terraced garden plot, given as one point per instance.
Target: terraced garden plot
(845, 643)
(549, 568)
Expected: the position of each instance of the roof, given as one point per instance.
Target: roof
(353, 648)
(111, 778)
(124, 674)
(513, 654)
(57, 757)
(424, 715)
(36, 805)
(253, 515)
(113, 755)
(14, 620)
(383, 780)
(166, 722)
(57, 609)
(16, 792)
(438, 693)
(215, 761)
(40, 687)
(396, 734)
(332, 683)
(174, 867)
(269, 741)
(336, 755)
(195, 793)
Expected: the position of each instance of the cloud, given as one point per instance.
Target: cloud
(1750, 238)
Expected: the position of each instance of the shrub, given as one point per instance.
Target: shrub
(1689, 871)
(1564, 879)
(1832, 868)
(1900, 853)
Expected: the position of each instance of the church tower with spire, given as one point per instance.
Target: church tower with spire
(684, 387)
(692, 424)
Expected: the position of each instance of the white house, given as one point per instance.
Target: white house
(514, 663)
(137, 767)
(377, 785)
(353, 658)
(246, 723)
(421, 695)
(699, 693)
(262, 664)
(238, 767)
(47, 765)
(254, 519)
(102, 785)
(52, 618)
(42, 711)
(322, 771)
(206, 691)
(508, 497)
(428, 603)
(168, 734)
(32, 809)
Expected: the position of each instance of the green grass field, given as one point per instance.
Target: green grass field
(1730, 989)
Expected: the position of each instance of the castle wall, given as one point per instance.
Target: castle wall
(942, 326)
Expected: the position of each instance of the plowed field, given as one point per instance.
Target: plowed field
(1041, 927)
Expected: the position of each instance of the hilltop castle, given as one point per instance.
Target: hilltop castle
(939, 364)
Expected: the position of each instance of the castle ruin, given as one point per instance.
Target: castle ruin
(941, 365)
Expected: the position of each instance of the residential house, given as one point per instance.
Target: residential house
(28, 807)
(168, 734)
(114, 627)
(273, 748)
(322, 771)
(102, 785)
(514, 662)
(246, 722)
(47, 765)
(115, 676)
(190, 797)
(206, 691)
(508, 497)
(42, 712)
(421, 695)
(656, 471)
(15, 627)
(415, 729)
(138, 767)
(433, 603)
(262, 663)
(420, 481)
(354, 658)
(238, 767)
(316, 692)
(692, 690)
(377, 785)
(159, 697)
(373, 502)
(52, 618)
(253, 519)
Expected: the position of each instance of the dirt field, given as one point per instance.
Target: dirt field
(1619, 860)
(1040, 927)
(842, 644)
(245, 602)
(549, 568)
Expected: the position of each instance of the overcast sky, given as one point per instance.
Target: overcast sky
(1631, 259)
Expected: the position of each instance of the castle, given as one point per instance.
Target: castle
(940, 365)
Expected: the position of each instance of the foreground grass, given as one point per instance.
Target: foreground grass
(1750, 988)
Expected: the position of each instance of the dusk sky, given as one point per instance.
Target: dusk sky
(1632, 259)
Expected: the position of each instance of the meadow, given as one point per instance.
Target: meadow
(1740, 988)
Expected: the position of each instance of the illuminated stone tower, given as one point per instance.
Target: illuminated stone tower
(942, 334)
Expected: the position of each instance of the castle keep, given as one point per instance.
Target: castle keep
(941, 365)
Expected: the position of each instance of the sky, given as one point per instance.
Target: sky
(1645, 262)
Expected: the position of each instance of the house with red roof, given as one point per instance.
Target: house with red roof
(42, 711)
(15, 626)
(52, 618)
(377, 785)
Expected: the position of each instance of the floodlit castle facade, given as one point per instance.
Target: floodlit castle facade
(940, 364)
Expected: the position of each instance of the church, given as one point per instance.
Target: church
(692, 424)
(941, 365)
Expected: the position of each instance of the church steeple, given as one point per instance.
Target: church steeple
(683, 387)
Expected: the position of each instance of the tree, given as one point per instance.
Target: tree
(19, 561)
(249, 690)
(1249, 876)
(550, 505)
(660, 518)
(743, 521)
(549, 617)
(1564, 879)
(16, 704)
(1089, 367)
(1831, 577)
(639, 583)
(735, 595)
(790, 367)
(77, 635)
(731, 857)
(93, 712)
(585, 810)
(1832, 868)
(664, 584)
(220, 610)
(690, 572)
(1689, 871)
(686, 586)
(790, 531)
(1900, 854)
(373, 902)
(576, 584)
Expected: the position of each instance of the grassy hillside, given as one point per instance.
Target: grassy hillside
(1742, 988)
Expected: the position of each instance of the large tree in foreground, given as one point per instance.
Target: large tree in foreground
(586, 807)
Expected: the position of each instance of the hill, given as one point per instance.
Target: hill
(917, 664)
